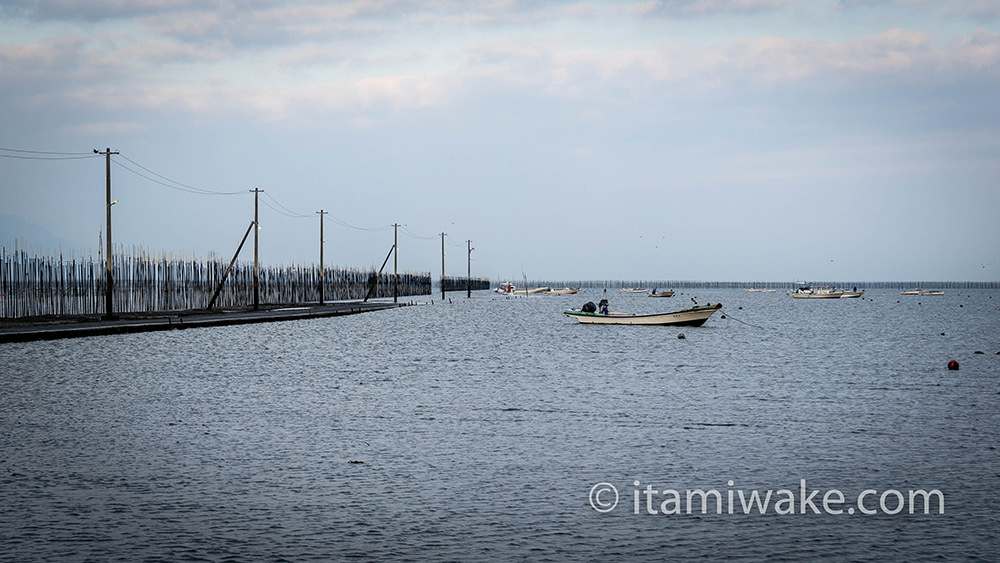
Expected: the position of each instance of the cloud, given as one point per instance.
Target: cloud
(83, 72)
(102, 128)
(696, 8)
(980, 10)
(96, 10)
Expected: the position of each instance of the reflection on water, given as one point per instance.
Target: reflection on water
(475, 429)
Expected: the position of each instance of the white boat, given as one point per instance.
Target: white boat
(695, 316)
(533, 290)
(756, 290)
(667, 293)
(633, 290)
(816, 292)
(921, 292)
(506, 288)
(563, 291)
(851, 294)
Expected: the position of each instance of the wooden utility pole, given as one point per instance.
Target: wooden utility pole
(395, 262)
(468, 275)
(256, 252)
(442, 266)
(321, 241)
(109, 284)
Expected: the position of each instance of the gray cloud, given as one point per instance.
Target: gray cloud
(698, 8)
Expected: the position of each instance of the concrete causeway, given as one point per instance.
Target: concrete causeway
(53, 328)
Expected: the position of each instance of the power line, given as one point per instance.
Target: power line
(288, 212)
(45, 155)
(453, 243)
(411, 234)
(179, 186)
(77, 154)
(280, 212)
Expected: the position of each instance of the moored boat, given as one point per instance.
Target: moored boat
(563, 291)
(667, 293)
(921, 292)
(695, 316)
(532, 291)
(633, 290)
(816, 292)
(504, 288)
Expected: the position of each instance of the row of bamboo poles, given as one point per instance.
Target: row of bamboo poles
(33, 285)
(461, 284)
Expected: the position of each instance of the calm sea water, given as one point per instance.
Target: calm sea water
(476, 429)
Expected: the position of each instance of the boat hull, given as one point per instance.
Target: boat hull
(688, 317)
(530, 291)
(668, 293)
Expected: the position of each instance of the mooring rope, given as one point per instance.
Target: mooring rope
(729, 316)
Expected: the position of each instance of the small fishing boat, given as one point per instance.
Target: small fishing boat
(506, 288)
(757, 290)
(816, 292)
(667, 293)
(921, 292)
(633, 290)
(852, 294)
(527, 291)
(563, 291)
(695, 316)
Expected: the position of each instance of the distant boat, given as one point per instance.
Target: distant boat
(695, 316)
(526, 291)
(816, 292)
(633, 290)
(563, 291)
(851, 294)
(506, 288)
(667, 293)
(921, 292)
(755, 290)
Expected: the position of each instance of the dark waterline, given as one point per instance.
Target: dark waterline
(481, 425)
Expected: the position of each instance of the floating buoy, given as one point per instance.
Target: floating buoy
(978, 352)
(723, 316)
(681, 336)
(953, 365)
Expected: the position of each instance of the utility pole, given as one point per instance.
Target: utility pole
(442, 266)
(395, 262)
(321, 241)
(256, 254)
(110, 282)
(468, 275)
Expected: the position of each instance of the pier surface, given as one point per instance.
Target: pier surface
(52, 328)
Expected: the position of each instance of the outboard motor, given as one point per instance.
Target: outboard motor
(589, 307)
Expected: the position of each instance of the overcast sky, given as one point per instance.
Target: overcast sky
(674, 139)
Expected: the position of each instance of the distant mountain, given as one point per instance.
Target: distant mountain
(33, 238)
